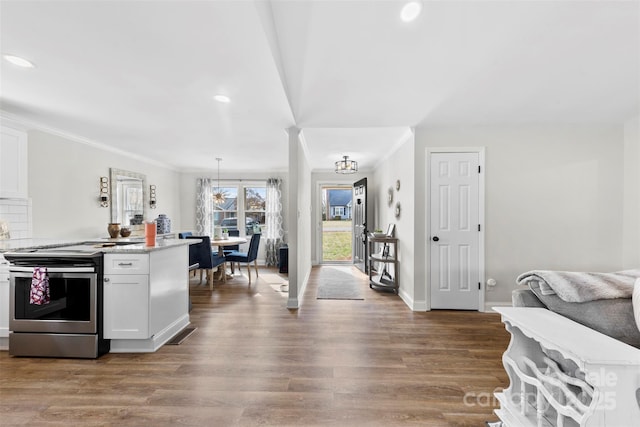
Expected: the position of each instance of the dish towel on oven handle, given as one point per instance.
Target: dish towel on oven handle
(39, 294)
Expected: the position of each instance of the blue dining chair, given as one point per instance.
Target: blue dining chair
(247, 257)
(184, 235)
(228, 249)
(206, 258)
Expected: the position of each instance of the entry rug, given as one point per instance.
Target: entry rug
(340, 283)
(181, 336)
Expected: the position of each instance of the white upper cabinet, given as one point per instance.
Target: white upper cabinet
(13, 163)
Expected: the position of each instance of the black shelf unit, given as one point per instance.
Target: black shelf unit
(383, 263)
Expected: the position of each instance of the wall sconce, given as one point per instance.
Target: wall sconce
(104, 191)
(152, 196)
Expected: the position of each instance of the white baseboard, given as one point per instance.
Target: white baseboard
(294, 303)
(152, 344)
(410, 302)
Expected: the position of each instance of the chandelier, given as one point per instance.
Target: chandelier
(346, 166)
(218, 196)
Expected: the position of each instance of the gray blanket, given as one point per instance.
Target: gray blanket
(582, 286)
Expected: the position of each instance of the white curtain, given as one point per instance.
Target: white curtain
(204, 207)
(274, 232)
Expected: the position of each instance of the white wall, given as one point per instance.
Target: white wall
(305, 214)
(64, 186)
(299, 217)
(554, 197)
(631, 221)
(399, 165)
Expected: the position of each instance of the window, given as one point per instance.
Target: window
(255, 204)
(248, 209)
(338, 211)
(229, 208)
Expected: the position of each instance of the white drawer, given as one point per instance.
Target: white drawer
(126, 264)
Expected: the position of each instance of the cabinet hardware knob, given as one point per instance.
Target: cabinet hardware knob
(106, 279)
(435, 238)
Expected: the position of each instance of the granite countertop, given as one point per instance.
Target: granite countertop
(19, 244)
(141, 248)
(123, 245)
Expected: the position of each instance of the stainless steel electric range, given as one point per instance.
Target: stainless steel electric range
(70, 324)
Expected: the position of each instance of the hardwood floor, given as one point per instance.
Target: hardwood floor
(252, 362)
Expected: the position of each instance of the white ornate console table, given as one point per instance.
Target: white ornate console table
(564, 374)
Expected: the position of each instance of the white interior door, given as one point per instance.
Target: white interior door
(454, 231)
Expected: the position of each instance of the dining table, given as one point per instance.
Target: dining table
(230, 241)
(220, 244)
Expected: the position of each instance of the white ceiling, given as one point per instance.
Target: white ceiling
(139, 76)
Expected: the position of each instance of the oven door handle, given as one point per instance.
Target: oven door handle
(19, 269)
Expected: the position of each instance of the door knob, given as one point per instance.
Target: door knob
(435, 238)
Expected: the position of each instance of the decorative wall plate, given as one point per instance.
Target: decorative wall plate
(398, 185)
(390, 196)
(397, 210)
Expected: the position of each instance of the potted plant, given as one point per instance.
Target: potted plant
(378, 233)
(225, 234)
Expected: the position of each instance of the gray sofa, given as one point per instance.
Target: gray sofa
(612, 317)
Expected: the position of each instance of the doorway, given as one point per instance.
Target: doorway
(337, 219)
(455, 235)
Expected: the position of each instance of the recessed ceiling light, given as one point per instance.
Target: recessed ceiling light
(410, 11)
(222, 98)
(20, 62)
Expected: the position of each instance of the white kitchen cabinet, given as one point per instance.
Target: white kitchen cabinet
(126, 296)
(146, 298)
(13, 163)
(131, 264)
(126, 306)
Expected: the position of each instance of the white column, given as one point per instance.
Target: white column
(292, 216)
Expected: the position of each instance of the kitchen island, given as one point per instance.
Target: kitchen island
(145, 289)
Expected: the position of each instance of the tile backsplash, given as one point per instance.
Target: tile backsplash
(17, 213)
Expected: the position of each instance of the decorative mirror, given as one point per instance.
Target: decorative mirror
(390, 196)
(128, 196)
(398, 185)
(397, 211)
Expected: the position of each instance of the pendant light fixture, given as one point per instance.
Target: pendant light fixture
(218, 196)
(346, 166)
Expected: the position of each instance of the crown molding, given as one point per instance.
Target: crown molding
(407, 136)
(26, 125)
